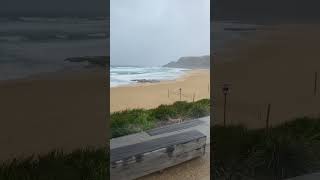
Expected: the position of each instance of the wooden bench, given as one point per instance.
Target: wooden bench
(137, 160)
(174, 127)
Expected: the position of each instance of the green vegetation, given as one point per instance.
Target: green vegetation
(94, 163)
(288, 150)
(137, 120)
(81, 164)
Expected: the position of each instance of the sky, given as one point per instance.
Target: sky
(54, 7)
(155, 32)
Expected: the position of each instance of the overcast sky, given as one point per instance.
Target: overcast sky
(54, 7)
(155, 32)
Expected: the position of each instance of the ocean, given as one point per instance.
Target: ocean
(32, 45)
(222, 35)
(125, 75)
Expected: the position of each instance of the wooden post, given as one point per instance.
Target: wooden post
(315, 83)
(168, 94)
(224, 109)
(268, 117)
(193, 97)
(180, 93)
(225, 90)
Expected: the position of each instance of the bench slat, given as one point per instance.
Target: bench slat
(137, 160)
(175, 127)
(152, 145)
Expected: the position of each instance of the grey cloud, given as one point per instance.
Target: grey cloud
(154, 32)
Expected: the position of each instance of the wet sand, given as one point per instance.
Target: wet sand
(53, 111)
(194, 84)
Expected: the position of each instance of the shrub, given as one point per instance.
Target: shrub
(283, 156)
(80, 164)
(164, 112)
(288, 150)
(198, 110)
(130, 121)
(137, 120)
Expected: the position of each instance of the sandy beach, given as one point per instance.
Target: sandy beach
(53, 111)
(275, 67)
(194, 83)
(154, 94)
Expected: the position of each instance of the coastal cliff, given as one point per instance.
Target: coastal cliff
(191, 62)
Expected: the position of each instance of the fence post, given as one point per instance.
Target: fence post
(180, 93)
(224, 110)
(315, 83)
(225, 90)
(168, 94)
(268, 116)
(193, 97)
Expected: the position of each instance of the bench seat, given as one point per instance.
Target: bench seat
(137, 160)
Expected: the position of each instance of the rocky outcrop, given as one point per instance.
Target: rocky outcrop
(191, 62)
(102, 61)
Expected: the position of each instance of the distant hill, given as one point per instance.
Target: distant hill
(191, 62)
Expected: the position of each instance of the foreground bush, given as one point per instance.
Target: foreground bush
(80, 164)
(137, 120)
(288, 150)
(130, 121)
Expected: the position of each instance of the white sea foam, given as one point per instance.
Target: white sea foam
(33, 45)
(125, 75)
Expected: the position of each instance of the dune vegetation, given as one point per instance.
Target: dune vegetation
(93, 163)
(137, 120)
(284, 151)
(83, 164)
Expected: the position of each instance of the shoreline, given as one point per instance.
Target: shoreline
(182, 77)
(61, 73)
(193, 83)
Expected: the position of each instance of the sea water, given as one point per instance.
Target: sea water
(31, 45)
(125, 75)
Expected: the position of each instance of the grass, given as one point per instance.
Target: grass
(137, 120)
(285, 151)
(80, 164)
(93, 164)
(288, 150)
